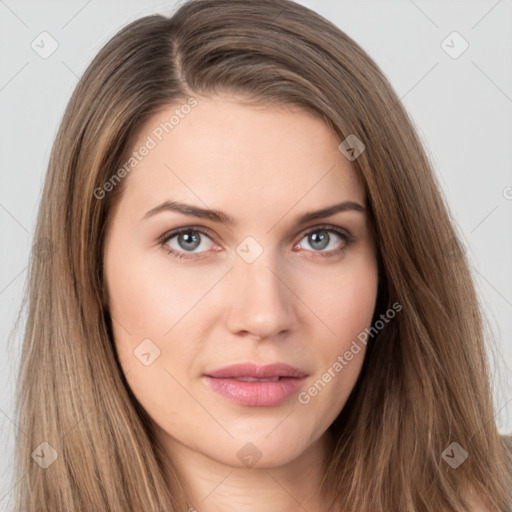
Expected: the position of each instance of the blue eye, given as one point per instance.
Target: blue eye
(321, 238)
(188, 241)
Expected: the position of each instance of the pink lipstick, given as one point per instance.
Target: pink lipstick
(255, 385)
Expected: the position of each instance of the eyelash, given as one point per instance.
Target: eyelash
(343, 234)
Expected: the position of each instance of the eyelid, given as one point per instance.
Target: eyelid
(329, 227)
(176, 231)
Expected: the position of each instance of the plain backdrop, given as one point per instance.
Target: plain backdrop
(457, 88)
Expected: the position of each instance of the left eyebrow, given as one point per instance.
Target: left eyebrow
(331, 210)
(221, 217)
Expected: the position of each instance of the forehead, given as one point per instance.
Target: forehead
(241, 158)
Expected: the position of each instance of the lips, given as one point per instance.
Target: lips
(255, 385)
(254, 371)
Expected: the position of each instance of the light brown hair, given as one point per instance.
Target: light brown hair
(425, 379)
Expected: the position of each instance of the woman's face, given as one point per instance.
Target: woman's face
(265, 288)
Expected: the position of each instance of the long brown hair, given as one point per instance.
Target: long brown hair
(425, 380)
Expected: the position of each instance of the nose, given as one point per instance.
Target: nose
(261, 299)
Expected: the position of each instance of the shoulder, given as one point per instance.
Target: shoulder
(475, 504)
(474, 501)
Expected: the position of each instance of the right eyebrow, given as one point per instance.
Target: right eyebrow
(190, 210)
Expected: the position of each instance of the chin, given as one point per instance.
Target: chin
(261, 451)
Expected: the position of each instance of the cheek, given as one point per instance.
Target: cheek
(151, 305)
(148, 296)
(344, 298)
(161, 309)
(344, 302)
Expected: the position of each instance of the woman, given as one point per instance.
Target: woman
(255, 297)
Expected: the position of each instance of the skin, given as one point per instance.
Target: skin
(264, 166)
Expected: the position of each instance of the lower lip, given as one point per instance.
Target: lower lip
(256, 394)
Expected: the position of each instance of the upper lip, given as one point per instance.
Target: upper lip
(257, 371)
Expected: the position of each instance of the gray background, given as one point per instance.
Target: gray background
(462, 108)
